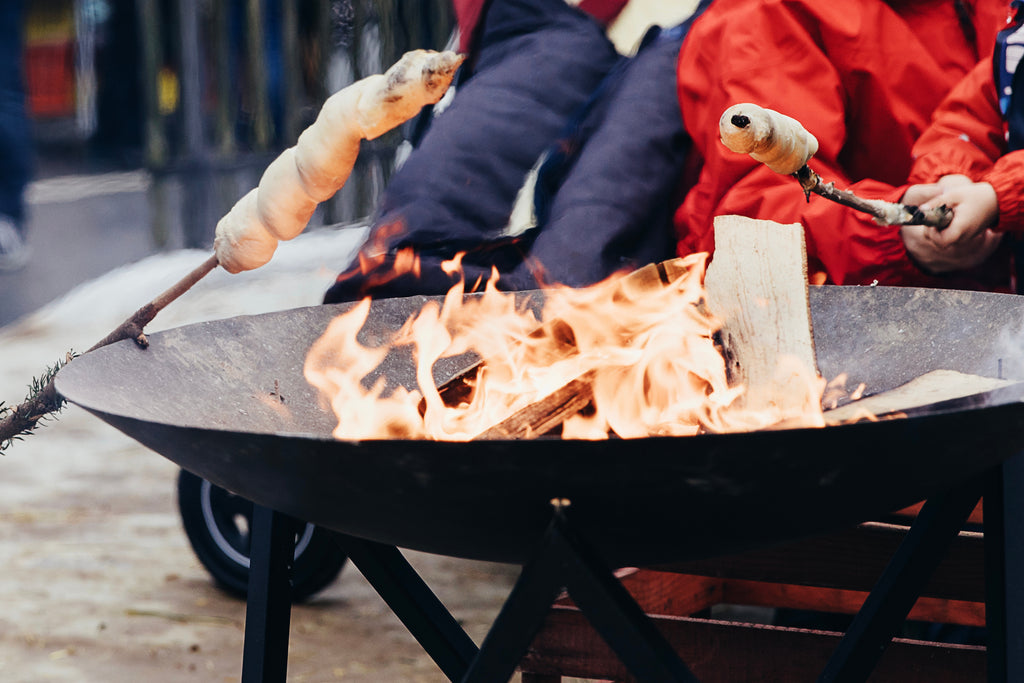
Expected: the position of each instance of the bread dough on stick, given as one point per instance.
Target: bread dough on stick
(323, 158)
(283, 204)
(367, 109)
(242, 242)
(774, 139)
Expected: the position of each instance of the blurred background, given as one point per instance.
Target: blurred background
(148, 119)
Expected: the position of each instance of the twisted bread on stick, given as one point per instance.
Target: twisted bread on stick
(323, 157)
(785, 146)
(774, 139)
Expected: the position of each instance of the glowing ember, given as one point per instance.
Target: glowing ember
(647, 351)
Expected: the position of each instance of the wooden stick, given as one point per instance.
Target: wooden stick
(542, 416)
(132, 328)
(23, 418)
(884, 213)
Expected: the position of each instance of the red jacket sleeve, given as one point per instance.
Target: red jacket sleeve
(1007, 177)
(968, 136)
(604, 11)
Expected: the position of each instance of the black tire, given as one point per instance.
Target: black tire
(217, 524)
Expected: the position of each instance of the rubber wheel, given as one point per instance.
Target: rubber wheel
(217, 524)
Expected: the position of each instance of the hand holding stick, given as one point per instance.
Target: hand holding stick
(785, 146)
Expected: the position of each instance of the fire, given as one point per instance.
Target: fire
(645, 349)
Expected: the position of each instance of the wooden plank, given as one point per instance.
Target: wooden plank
(726, 652)
(853, 559)
(757, 285)
(684, 595)
(666, 593)
(840, 601)
(931, 387)
(909, 512)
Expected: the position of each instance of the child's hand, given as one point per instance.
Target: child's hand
(916, 195)
(968, 240)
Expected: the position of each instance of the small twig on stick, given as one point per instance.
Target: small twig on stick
(43, 398)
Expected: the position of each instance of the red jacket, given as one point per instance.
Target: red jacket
(968, 136)
(863, 77)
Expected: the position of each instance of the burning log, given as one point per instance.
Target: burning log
(540, 417)
(651, 276)
(757, 287)
(664, 351)
(548, 413)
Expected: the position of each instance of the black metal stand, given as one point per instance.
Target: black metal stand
(268, 605)
(887, 606)
(561, 562)
(564, 560)
(1008, 562)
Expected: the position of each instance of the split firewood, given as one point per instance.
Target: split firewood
(757, 286)
(785, 146)
(540, 417)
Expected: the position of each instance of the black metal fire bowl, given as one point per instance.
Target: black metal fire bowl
(226, 400)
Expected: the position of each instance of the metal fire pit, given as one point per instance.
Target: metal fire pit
(226, 400)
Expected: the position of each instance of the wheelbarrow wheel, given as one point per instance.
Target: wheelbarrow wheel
(218, 523)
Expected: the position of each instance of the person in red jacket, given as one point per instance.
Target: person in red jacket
(970, 160)
(864, 78)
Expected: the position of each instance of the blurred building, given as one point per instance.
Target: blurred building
(204, 93)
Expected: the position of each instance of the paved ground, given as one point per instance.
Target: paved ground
(98, 581)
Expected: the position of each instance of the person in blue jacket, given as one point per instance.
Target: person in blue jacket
(15, 140)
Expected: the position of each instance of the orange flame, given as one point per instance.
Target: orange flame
(648, 350)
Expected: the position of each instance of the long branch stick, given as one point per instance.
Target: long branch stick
(884, 213)
(44, 400)
(132, 328)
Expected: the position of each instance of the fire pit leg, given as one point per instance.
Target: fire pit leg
(268, 606)
(564, 560)
(997, 654)
(412, 601)
(1004, 568)
(889, 602)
